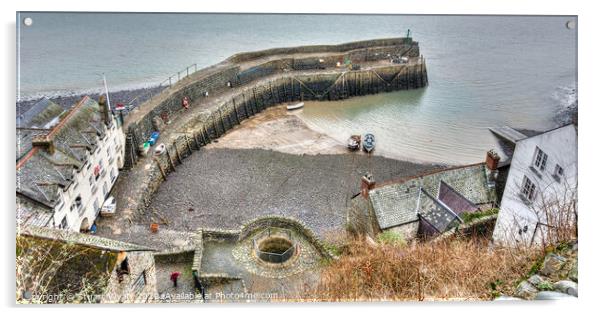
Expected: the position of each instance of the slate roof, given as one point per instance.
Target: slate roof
(40, 115)
(396, 203)
(37, 120)
(29, 213)
(435, 213)
(454, 200)
(40, 173)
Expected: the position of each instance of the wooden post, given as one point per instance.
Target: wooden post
(175, 145)
(205, 135)
(215, 127)
(235, 111)
(188, 144)
(160, 169)
(173, 166)
(272, 94)
(221, 116)
(244, 105)
(255, 109)
(196, 140)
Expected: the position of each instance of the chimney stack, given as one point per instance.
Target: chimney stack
(492, 159)
(367, 184)
(43, 142)
(105, 110)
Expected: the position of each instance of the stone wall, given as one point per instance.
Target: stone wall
(482, 227)
(310, 49)
(283, 85)
(255, 226)
(131, 290)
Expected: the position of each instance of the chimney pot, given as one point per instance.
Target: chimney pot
(492, 159)
(367, 184)
(43, 142)
(104, 109)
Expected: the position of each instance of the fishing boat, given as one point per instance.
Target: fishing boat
(354, 142)
(295, 106)
(160, 149)
(369, 143)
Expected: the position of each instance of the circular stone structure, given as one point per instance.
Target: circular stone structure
(275, 249)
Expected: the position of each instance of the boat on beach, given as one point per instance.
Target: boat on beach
(295, 106)
(369, 143)
(354, 142)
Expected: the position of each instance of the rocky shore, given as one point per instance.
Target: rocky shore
(122, 96)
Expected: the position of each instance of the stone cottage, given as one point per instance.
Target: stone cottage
(82, 268)
(423, 205)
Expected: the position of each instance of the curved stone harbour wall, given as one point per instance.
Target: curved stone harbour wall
(275, 76)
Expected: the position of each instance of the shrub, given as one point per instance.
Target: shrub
(391, 238)
(462, 268)
(472, 216)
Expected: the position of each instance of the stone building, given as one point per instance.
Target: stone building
(541, 189)
(84, 268)
(424, 205)
(67, 163)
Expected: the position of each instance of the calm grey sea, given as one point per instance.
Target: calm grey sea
(483, 70)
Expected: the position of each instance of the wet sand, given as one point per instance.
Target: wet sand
(280, 130)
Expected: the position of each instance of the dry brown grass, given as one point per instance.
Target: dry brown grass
(453, 269)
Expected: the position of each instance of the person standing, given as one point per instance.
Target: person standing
(174, 278)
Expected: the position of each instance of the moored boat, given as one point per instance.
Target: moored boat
(160, 149)
(369, 143)
(295, 106)
(354, 142)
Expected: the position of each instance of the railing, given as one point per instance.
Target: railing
(167, 83)
(270, 256)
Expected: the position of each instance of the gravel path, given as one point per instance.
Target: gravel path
(224, 188)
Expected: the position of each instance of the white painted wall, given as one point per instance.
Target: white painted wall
(109, 155)
(515, 214)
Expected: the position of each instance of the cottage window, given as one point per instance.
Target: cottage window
(77, 203)
(528, 189)
(63, 224)
(113, 175)
(558, 172)
(58, 206)
(540, 160)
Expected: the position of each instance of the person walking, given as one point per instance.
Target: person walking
(174, 278)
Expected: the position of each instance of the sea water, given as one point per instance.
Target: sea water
(483, 71)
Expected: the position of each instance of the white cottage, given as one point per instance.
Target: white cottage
(540, 195)
(66, 164)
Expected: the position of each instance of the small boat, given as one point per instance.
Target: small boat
(295, 106)
(159, 149)
(369, 143)
(354, 142)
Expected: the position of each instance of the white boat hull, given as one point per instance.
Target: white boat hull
(291, 107)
